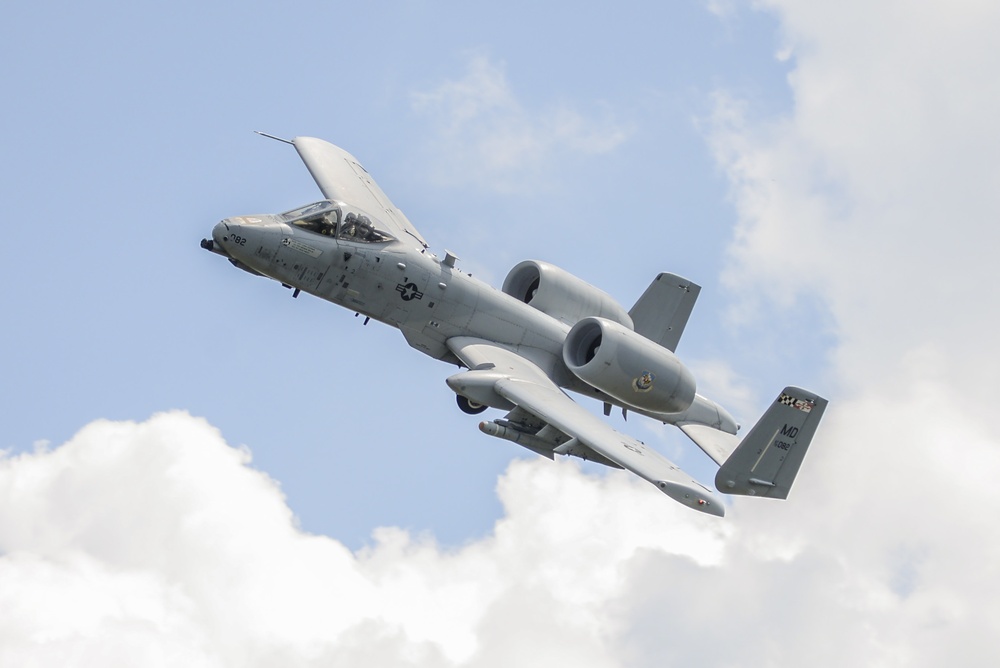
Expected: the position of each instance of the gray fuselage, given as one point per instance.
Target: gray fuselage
(399, 283)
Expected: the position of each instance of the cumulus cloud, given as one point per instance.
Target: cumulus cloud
(722, 9)
(718, 380)
(485, 136)
(157, 544)
(879, 191)
(877, 194)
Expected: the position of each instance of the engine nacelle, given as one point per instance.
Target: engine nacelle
(560, 294)
(628, 366)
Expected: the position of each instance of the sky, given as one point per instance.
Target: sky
(200, 470)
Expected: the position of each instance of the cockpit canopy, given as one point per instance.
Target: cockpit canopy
(335, 219)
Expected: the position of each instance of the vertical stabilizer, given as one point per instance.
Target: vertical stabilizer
(663, 309)
(766, 462)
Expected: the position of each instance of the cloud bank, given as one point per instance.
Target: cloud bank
(157, 544)
(878, 195)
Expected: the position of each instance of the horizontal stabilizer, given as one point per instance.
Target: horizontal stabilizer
(768, 459)
(717, 444)
(663, 309)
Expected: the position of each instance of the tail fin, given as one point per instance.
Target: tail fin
(664, 308)
(768, 459)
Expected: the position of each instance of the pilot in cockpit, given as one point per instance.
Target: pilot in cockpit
(323, 217)
(350, 225)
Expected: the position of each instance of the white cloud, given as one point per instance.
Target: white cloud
(878, 193)
(880, 189)
(156, 543)
(485, 136)
(718, 380)
(722, 9)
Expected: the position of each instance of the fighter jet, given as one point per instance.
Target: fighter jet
(545, 332)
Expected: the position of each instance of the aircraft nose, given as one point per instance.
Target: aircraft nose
(242, 236)
(220, 232)
(220, 235)
(232, 235)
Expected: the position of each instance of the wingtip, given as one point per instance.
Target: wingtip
(693, 498)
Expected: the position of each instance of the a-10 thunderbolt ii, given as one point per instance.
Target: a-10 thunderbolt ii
(544, 332)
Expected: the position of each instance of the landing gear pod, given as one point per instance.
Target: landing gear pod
(475, 391)
(469, 406)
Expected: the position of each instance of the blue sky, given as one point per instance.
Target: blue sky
(131, 137)
(828, 176)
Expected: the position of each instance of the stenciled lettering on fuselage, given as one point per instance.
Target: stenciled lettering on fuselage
(409, 291)
(301, 247)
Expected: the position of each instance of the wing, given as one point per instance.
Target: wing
(525, 384)
(341, 177)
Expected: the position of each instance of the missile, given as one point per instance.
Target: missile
(524, 439)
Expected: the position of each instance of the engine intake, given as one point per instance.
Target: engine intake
(560, 294)
(628, 366)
